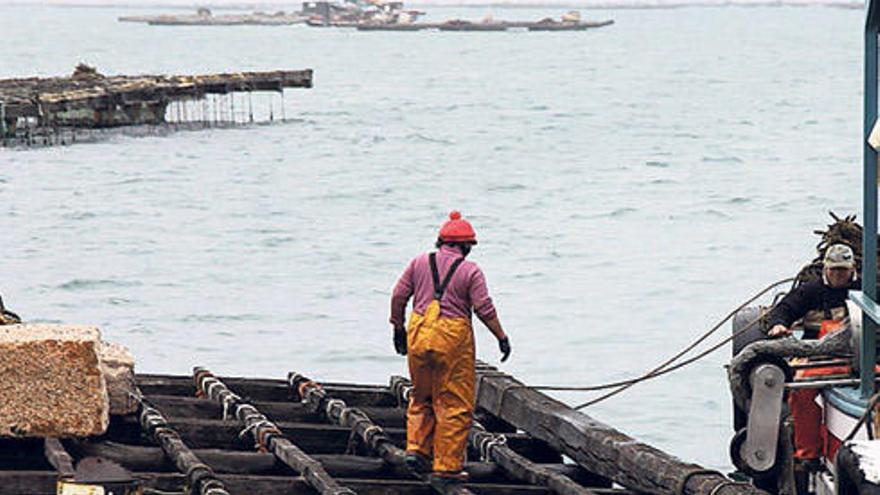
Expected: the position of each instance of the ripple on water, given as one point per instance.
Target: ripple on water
(419, 137)
(216, 318)
(620, 212)
(309, 316)
(277, 241)
(91, 284)
(721, 159)
(780, 206)
(507, 187)
(713, 213)
(79, 215)
(527, 276)
(120, 301)
(661, 182)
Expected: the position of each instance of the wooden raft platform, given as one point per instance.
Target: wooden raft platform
(206, 434)
(484, 26)
(41, 110)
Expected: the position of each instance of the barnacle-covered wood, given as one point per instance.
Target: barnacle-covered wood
(597, 447)
(52, 384)
(117, 365)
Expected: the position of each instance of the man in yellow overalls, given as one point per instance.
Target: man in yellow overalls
(439, 341)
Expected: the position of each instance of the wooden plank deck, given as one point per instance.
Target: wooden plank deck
(343, 449)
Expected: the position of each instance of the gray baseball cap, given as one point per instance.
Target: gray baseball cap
(839, 256)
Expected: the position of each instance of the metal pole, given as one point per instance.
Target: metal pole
(869, 239)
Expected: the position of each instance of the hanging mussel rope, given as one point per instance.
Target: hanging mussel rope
(266, 434)
(843, 231)
(200, 478)
(493, 447)
(372, 435)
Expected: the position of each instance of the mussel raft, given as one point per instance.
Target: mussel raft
(62, 110)
(204, 434)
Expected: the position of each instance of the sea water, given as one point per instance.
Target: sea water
(629, 186)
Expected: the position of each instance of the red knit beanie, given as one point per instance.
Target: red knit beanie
(457, 230)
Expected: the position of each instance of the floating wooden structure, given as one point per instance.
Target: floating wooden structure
(211, 435)
(459, 25)
(50, 110)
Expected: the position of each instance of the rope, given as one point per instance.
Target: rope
(725, 484)
(370, 432)
(665, 367)
(872, 402)
(658, 370)
(662, 370)
(681, 487)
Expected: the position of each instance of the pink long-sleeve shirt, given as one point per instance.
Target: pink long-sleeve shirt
(467, 290)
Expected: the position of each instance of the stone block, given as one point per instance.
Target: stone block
(51, 383)
(117, 365)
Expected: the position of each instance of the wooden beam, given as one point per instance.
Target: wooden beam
(594, 445)
(315, 438)
(267, 435)
(199, 476)
(266, 390)
(533, 449)
(173, 406)
(152, 459)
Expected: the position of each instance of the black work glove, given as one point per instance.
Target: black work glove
(504, 346)
(400, 341)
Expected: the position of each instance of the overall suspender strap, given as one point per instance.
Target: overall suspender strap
(440, 288)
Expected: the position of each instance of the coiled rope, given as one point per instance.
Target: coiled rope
(667, 366)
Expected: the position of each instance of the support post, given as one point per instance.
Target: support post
(58, 458)
(868, 354)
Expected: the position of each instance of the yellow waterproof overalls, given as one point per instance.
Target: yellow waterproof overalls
(442, 368)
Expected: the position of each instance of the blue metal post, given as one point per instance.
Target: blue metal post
(869, 238)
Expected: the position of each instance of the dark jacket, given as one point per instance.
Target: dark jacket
(813, 295)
